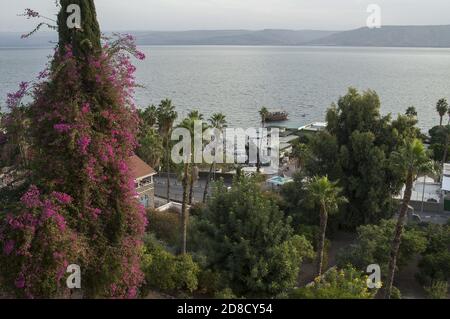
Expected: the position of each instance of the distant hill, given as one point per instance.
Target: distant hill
(37, 40)
(200, 37)
(231, 37)
(387, 36)
(390, 36)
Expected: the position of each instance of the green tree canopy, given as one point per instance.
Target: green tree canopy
(355, 150)
(374, 244)
(249, 242)
(442, 108)
(435, 262)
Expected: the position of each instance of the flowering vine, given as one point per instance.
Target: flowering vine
(83, 208)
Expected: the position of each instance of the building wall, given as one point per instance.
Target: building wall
(147, 196)
(427, 207)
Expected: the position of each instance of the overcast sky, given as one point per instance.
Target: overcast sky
(130, 15)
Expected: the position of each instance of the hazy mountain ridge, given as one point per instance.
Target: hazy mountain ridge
(387, 36)
(232, 37)
(390, 36)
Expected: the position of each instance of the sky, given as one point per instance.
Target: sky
(120, 15)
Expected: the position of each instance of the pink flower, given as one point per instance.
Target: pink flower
(31, 197)
(43, 74)
(83, 144)
(29, 13)
(132, 293)
(90, 169)
(9, 247)
(62, 197)
(95, 212)
(123, 167)
(62, 128)
(49, 212)
(60, 221)
(85, 108)
(13, 99)
(20, 282)
(140, 55)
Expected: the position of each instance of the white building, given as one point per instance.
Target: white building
(143, 181)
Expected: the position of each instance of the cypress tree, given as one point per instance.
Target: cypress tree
(88, 37)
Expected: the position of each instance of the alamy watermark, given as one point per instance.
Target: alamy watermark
(74, 279)
(229, 146)
(374, 278)
(74, 18)
(374, 19)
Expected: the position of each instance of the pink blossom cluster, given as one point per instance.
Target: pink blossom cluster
(13, 99)
(83, 144)
(31, 198)
(62, 198)
(62, 128)
(31, 234)
(29, 13)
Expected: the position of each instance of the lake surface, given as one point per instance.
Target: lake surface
(301, 80)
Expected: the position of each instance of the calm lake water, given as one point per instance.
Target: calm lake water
(301, 80)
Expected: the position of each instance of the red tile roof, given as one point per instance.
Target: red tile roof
(139, 168)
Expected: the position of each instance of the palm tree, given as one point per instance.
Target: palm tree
(184, 208)
(326, 195)
(441, 108)
(219, 122)
(151, 148)
(149, 116)
(411, 160)
(193, 116)
(166, 117)
(447, 138)
(411, 111)
(187, 178)
(264, 113)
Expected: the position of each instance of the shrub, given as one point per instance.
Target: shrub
(396, 293)
(435, 262)
(209, 282)
(166, 227)
(227, 293)
(346, 283)
(437, 290)
(166, 272)
(196, 209)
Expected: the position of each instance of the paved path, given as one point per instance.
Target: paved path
(176, 189)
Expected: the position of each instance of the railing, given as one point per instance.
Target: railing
(144, 188)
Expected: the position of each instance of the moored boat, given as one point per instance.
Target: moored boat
(276, 116)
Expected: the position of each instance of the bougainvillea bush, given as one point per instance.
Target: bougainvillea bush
(81, 207)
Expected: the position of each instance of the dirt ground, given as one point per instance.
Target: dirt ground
(340, 240)
(406, 282)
